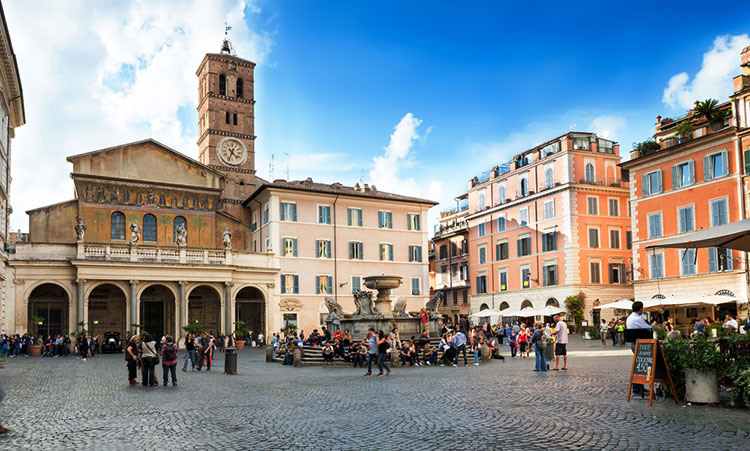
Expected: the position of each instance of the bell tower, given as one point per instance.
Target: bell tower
(226, 123)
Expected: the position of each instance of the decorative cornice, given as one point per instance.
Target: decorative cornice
(231, 201)
(212, 131)
(232, 169)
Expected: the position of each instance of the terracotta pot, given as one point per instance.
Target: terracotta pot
(35, 350)
(240, 344)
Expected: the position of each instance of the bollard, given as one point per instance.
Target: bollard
(230, 361)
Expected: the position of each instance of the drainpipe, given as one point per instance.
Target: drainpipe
(335, 257)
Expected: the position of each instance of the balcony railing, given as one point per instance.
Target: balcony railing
(152, 254)
(450, 228)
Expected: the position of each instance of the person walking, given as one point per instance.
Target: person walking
(200, 341)
(476, 347)
(168, 353)
(131, 355)
(539, 341)
(561, 343)
(189, 352)
(372, 352)
(512, 341)
(147, 349)
(603, 333)
(208, 351)
(383, 346)
(459, 340)
(83, 346)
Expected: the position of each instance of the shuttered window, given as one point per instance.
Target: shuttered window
(715, 165)
(324, 214)
(654, 225)
(686, 219)
(289, 284)
(651, 183)
(290, 247)
(719, 215)
(355, 250)
(288, 211)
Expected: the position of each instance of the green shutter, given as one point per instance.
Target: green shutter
(747, 161)
(296, 284)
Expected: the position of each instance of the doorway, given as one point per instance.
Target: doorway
(48, 310)
(250, 307)
(157, 311)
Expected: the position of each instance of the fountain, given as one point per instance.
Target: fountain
(380, 314)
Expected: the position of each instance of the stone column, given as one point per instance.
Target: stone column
(22, 307)
(81, 287)
(133, 303)
(228, 305)
(182, 308)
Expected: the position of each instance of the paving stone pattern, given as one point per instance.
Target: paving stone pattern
(65, 404)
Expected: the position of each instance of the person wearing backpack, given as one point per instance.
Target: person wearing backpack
(539, 341)
(168, 353)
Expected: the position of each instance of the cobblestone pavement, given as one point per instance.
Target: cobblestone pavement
(69, 404)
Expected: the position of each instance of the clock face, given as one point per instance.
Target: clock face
(232, 152)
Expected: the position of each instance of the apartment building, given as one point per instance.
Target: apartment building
(451, 260)
(328, 237)
(551, 223)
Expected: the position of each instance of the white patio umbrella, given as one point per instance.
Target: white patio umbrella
(484, 313)
(622, 304)
(718, 299)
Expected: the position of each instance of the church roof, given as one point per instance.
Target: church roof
(308, 185)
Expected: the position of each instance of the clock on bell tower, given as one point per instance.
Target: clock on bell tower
(226, 123)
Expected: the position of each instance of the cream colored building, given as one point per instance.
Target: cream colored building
(329, 237)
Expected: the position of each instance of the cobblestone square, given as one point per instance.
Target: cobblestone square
(65, 403)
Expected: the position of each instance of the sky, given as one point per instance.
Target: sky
(413, 97)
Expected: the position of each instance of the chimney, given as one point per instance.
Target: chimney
(357, 187)
(337, 186)
(745, 60)
(367, 188)
(372, 188)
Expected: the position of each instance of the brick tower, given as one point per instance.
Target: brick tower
(226, 121)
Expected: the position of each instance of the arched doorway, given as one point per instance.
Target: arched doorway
(157, 311)
(48, 304)
(107, 310)
(250, 307)
(204, 305)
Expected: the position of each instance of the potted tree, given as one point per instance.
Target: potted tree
(703, 369)
(239, 334)
(36, 349)
(193, 327)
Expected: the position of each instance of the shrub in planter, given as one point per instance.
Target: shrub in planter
(661, 332)
(593, 332)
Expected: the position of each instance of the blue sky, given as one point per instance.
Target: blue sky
(416, 97)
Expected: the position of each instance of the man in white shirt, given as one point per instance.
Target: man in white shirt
(730, 324)
(636, 321)
(561, 343)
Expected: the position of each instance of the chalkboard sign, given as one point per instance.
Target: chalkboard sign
(649, 367)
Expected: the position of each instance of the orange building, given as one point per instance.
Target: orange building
(451, 260)
(551, 223)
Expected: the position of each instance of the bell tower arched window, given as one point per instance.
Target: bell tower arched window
(227, 117)
(234, 118)
(239, 88)
(149, 228)
(117, 226)
(222, 84)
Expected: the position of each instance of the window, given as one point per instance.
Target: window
(482, 254)
(464, 247)
(482, 203)
(501, 194)
(524, 186)
(385, 219)
(593, 238)
(386, 252)
(683, 174)
(605, 146)
(654, 225)
(719, 214)
(614, 239)
(323, 285)
(617, 273)
(595, 274)
(464, 272)
(719, 259)
(290, 247)
(268, 244)
(415, 253)
(323, 248)
(324, 214)
(288, 211)
(455, 298)
(549, 209)
(656, 263)
(592, 205)
(686, 218)
(289, 284)
(149, 228)
(687, 262)
(265, 215)
(501, 250)
(355, 217)
(503, 278)
(481, 284)
(238, 90)
(443, 252)
(415, 286)
(356, 283)
(117, 226)
(501, 224)
(234, 118)
(524, 246)
(549, 177)
(550, 149)
(413, 221)
(481, 229)
(549, 275)
(227, 117)
(581, 144)
(465, 296)
(222, 85)
(525, 278)
(651, 183)
(629, 239)
(523, 216)
(590, 174)
(715, 165)
(614, 207)
(355, 250)
(549, 241)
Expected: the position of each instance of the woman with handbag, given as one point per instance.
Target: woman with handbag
(149, 359)
(131, 356)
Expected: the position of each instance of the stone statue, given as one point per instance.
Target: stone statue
(80, 230)
(181, 236)
(227, 238)
(332, 304)
(433, 303)
(363, 301)
(135, 233)
(399, 307)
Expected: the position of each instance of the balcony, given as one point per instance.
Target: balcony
(152, 254)
(453, 227)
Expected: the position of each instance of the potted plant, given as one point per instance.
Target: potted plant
(685, 131)
(193, 327)
(703, 369)
(239, 334)
(36, 349)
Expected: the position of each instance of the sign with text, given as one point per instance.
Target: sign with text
(650, 367)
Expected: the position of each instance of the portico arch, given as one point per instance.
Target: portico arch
(49, 303)
(250, 307)
(107, 309)
(204, 306)
(157, 316)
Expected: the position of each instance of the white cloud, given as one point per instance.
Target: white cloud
(386, 173)
(608, 126)
(101, 74)
(713, 80)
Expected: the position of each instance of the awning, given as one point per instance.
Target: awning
(735, 235)
(528, 312)
(622, 304)
(485, 314)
